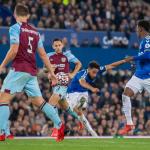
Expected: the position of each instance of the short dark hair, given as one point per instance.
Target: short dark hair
(93, 64)
(145, 24)
(21, 10)
(57, 39)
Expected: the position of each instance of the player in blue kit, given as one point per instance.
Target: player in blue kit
(81, 84)
(141, 79)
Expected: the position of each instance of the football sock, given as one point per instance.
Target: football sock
(72, 113)
(127, 109)
(88, 126)
(7, 130)
(51, 114)
(56, 109)
(4, 116)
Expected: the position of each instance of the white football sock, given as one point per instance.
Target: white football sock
(88, 126)
(127, 109)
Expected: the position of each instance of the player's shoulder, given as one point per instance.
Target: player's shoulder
(82, 72)
(16, 26)
(50, 54)
(145, 43)
(67, 53)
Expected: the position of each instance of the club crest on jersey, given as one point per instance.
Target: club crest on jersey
(63, 59)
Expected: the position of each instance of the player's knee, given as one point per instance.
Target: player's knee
(54, 99)
(128, 92)
(37, 101)
(5, 97)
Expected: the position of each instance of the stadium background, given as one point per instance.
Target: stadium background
(91, 29)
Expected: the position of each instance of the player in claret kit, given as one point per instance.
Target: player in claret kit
(24, 42)
(81, 84)
(141, 79)
(61, 65)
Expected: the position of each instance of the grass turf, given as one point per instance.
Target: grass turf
(76, 144)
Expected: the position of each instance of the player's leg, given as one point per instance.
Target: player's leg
(146, 85)
(32, 89)
(132, 88)
(84, 121)
(8, 133)
(5, 99)
(53, 101)
(8, 90)
(65, 106)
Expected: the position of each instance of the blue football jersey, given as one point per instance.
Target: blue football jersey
(75, 86)
(143, 59)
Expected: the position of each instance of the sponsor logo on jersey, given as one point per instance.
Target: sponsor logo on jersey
(63, 59)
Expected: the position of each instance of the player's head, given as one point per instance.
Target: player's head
(57, 45)
(21, 13)
(143, 27)
(93, 69)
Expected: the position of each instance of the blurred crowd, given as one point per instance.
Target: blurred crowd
(104, 110)
(113, 15)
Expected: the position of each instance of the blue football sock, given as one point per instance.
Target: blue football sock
(51, 114)
(4, 116)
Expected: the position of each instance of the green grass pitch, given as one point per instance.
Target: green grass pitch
(76, 144)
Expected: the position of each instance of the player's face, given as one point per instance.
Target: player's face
(58, 46)
(93, 72)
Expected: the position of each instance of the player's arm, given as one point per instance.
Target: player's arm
(115, 64)
(77, 63)
(144, 56)
(14, 33)
(47, 64)
(11, 54)
(86, 85)
(78, 66)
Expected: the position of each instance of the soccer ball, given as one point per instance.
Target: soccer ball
(63, 78)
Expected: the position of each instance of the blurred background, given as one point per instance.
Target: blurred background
(101, 30)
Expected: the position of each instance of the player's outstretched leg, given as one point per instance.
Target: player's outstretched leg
(65, 106)
(127, 111)
(87, 125)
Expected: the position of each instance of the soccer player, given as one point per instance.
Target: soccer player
(60, 61)
(24, 42)
(141, 79)
(77, 92)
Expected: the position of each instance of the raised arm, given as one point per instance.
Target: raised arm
(115, 64)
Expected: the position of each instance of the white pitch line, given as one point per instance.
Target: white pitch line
(85, 137)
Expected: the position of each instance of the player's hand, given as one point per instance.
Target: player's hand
(71, 75)
(95, 90)
(54, 80)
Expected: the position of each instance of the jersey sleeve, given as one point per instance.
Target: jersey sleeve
(71, 57)
(101, 70)
(40, 42)
(82, 75)
(14, 33)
